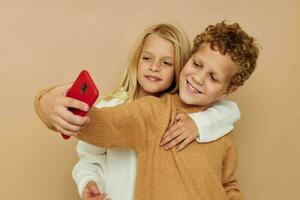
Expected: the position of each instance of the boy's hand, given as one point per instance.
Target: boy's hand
(54, 106)
(92, 192)
(181, 133)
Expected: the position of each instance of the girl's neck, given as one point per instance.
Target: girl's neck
(142, 93)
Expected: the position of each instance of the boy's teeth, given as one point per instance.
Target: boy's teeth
(192, 88)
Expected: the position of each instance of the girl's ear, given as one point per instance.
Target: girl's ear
(229, 91)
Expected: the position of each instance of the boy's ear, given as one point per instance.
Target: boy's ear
(229, 91)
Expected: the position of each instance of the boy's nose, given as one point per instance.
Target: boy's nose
(199, 78)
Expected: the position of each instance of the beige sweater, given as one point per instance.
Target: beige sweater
(200, 171)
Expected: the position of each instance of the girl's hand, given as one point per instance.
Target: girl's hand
(92, 192)
(54, 106)
(181, 133)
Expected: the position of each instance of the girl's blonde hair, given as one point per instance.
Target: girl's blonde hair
(127, 87)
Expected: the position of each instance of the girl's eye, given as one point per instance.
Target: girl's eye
(146, 58)
(168, 63)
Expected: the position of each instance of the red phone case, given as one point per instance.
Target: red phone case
(83, 89)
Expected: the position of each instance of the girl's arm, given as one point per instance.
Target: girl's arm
(92, 166)
(216, 121)
(206, 126)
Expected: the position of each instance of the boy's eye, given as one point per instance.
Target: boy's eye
(213, 78)
(196, 64)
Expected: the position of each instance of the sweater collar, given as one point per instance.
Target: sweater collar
(184, 107)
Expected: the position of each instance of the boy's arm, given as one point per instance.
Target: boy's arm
(92, 166)
(128, 125)
(230, 183)
(216, 121)
(38, 109)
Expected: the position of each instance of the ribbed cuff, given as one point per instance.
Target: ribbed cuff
(37, 107)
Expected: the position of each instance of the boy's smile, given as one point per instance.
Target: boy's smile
(206, 76)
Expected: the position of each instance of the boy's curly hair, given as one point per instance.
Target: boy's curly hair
(232, 40)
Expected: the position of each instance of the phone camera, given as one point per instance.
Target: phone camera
(83, 88)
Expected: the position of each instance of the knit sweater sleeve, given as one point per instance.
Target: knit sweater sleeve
(128, 125)
(230, 183)
(38, 110)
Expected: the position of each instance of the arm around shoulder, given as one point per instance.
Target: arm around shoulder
(216, 121)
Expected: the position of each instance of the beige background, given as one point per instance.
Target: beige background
(48, 42)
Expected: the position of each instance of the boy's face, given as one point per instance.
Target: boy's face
(206, 76)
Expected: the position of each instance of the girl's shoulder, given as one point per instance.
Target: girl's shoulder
(111, 102)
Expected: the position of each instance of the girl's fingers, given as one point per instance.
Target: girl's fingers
(184, 143)
(170, 136)
(175, 141)
(180, 116)
(173, 128)
(86, 194)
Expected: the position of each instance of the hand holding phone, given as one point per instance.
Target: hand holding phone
(83, 89)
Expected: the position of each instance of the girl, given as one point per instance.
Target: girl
(153, 69)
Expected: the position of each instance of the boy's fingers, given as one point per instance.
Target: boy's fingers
(68, 116)
(63, 131)
(75, 119)
(74, 103)
(175, 141)
(66, 125)
(171, 136)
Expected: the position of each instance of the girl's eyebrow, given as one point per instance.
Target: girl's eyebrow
(149, 52)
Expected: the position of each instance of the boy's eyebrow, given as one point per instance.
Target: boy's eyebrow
(199, 60)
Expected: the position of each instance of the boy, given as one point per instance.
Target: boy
(223, 57)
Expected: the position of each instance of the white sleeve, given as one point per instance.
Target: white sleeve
(216, 121)
(92, 164)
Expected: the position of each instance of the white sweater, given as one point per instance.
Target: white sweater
(114, 170)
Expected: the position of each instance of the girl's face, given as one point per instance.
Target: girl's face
(155, 66)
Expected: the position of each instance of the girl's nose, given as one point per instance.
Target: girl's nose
(154, 67)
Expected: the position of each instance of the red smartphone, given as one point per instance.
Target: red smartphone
(83, 89)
